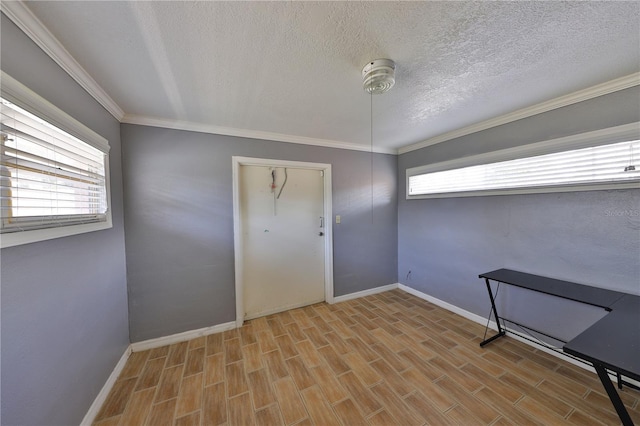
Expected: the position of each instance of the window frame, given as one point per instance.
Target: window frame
(15, 92)
(626, 132)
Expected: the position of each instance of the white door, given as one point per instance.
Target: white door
(282, 227)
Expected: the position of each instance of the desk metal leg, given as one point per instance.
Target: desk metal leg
(501, 332)
(619, 377)
(613, 395)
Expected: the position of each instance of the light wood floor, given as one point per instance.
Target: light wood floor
(386, 359)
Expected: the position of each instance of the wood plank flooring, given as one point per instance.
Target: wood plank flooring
(385, 359)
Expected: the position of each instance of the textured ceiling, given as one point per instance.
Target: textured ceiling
(294, 68)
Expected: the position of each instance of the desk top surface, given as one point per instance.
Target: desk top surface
(565, 289)
(613, 341)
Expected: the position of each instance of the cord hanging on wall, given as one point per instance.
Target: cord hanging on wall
(273, 186)
(286, 176)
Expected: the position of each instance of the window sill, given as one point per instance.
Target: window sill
(34, 236)
(550, 189)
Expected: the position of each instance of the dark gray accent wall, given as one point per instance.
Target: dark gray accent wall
(64, 301)
(179, 223)
(587, 237)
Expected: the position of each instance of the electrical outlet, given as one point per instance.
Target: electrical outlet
(338, 218)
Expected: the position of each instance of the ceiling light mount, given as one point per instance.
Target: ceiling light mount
(378, 76)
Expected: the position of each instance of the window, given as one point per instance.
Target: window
(603, 166)
(52, 183)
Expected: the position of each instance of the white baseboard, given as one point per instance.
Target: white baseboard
(143, 346)
(492, 325)
(181, 337)
(448, 306)
(364, 293)
(104, 392)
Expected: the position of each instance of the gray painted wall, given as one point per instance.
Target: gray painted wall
(64, 306)
(179, 223)
(587, 237)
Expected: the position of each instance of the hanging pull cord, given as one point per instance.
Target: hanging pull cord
(371, 153)
(273, 180)
(273, 187)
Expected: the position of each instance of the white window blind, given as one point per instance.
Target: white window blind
(604, 164)
(48, 178)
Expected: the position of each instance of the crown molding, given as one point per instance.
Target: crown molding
(22, 16)
(562, 101)
(251, 134)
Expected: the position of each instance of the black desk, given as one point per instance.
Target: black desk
(612, 343)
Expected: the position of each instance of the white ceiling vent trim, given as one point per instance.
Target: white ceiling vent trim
(562, 101)
(250, 134)
(22, 16)
(379, 76)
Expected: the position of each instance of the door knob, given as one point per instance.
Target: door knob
(321, 233)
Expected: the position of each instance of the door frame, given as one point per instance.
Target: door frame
(237, 223)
